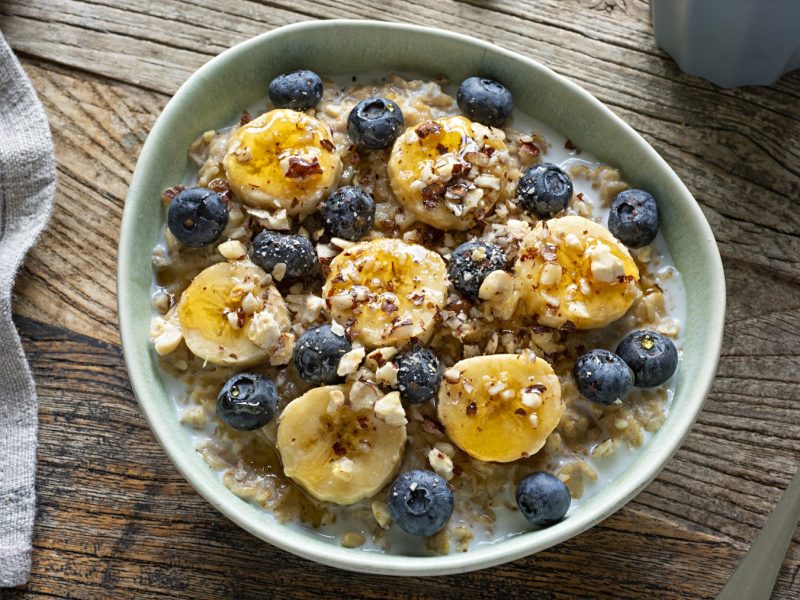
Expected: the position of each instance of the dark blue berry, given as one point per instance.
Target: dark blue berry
(298, 90)
(634, 218)
(543, 498)
(544, 190)
(470, 263)
(348, 213)
(294, 251)
(651, 356)
(317, 354)
(197, 216)
(419, 374)
(420, 502)
(602, 376)
(485, 101)
(247, 401)
(375, 123)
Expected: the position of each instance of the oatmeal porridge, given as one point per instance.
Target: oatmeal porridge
(409, 319)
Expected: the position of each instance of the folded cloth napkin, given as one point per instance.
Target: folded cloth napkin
(27, 187)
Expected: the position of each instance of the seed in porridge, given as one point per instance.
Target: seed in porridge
(375, 123)
(348, 213)
(295, 252)
(247, 401)
(485, 100)
(544, 190)
(472, 409)
(419, 374)
(633, 218)
(298, 90)
(420, 502)
(543, 499)
(602, 376)
(197, 216)
(317, 354)
(651, 356)
(471, 263)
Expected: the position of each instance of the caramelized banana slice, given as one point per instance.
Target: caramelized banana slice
(573, 269)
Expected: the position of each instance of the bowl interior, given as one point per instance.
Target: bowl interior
(216, 95)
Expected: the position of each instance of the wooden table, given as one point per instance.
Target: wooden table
(115, 518)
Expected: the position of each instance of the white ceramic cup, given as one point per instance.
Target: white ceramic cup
(730, 42)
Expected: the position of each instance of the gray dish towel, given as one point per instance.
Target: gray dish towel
(27, 187)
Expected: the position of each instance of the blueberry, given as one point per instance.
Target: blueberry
(485, 100)
(544, 190)
(419, 374)
(197, 216)
(543, 498)
(348, 213)
(651, 356)
(247, 401)
(420, 502)
(470, 263)
(602, 376)
(634, 218)
(298, 90)
(294, 251)
(375, 123)
(317, 354)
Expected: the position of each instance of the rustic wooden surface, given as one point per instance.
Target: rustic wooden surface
(115, 518)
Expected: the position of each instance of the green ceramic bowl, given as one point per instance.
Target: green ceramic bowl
(216, 94)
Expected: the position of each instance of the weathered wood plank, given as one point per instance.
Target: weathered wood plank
(98, 128)
(120, 523)
(116, 519)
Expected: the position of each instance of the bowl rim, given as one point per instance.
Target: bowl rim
(305, 545)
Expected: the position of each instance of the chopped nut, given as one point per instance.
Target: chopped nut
(350, 362)
(390, 409)
(264, 330)
(325, 251)
(300, 167)
(452, 375)
(279, 271)
(251, 304)
(551, 274)
(232, 250)
(551, 300)
(441, 463)
(281, 353)
(166, 334)
(605, 266)
(337, 329)
(341, 244)
(531, 398)
(336, 401)
(377, 358)
(387, 374)
(363, 395)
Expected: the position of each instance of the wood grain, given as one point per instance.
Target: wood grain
(116, 520)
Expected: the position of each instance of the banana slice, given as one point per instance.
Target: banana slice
(386, 291)
(450, 172)
(338, 454)
(228, 317)
(573, 269)
(282, 159)
(501, 407)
